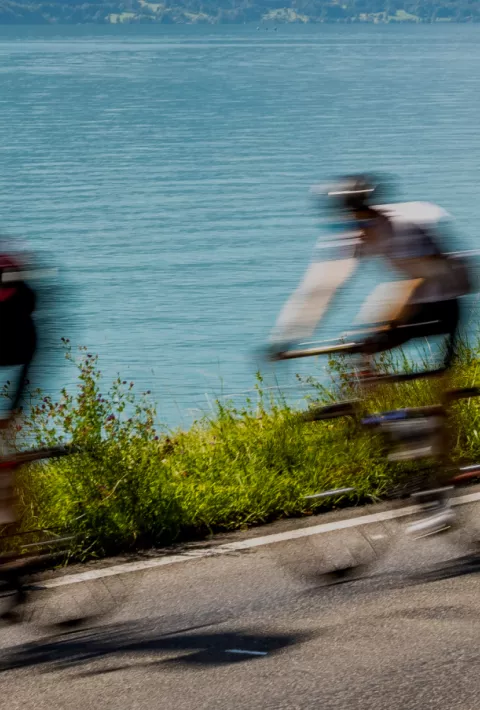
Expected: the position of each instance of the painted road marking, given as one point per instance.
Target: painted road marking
(247, 653)
(248, 544)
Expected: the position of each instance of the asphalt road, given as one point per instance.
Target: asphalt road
(263, 628)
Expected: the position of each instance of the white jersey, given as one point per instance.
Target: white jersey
(408, 220)
(405, 242)
(408, 240)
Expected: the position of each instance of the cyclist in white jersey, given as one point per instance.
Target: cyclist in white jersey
(422, 303)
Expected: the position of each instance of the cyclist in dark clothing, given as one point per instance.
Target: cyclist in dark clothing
(17, 348)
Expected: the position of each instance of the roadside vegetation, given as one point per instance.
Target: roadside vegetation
(132, 486)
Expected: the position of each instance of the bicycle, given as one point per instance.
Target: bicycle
(407, 434)
(25, 594)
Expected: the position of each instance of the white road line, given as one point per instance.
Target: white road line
(246, 653)
(248, 544)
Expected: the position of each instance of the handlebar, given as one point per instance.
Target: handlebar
(347, 348)
(24, 457)
(345, 344)
(352, 348)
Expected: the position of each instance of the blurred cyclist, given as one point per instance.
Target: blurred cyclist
(423, 303)
(17, 348)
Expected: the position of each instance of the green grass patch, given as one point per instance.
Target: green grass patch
(134, 486)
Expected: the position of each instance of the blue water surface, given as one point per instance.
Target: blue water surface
(165, 171)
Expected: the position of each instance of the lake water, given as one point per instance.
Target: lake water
(166, 171)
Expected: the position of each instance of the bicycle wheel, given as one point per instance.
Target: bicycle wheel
(38, 587)
(337, 556)
(12, 597)
(76, 604)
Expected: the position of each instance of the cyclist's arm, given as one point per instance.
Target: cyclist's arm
(429, 275)
(307, 305)
(388, 301)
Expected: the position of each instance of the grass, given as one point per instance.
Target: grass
(133, 486)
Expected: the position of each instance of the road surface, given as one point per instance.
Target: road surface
(260, 628)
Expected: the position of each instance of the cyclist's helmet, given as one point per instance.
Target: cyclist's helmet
(353, 192)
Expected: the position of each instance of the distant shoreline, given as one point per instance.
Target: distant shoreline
(245, 12)
(261, 23)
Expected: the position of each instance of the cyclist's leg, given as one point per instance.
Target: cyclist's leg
(7, 474)
(389, 336)
(445, 320)
(425, 320)
(20, 385)
(21, 355)
(420, 321)
(22, 359)
(451, 322)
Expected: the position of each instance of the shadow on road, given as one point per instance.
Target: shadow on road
(468, 564)
(364, 581)
(145, 640)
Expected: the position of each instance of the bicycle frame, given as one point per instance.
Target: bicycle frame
(350, 408)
